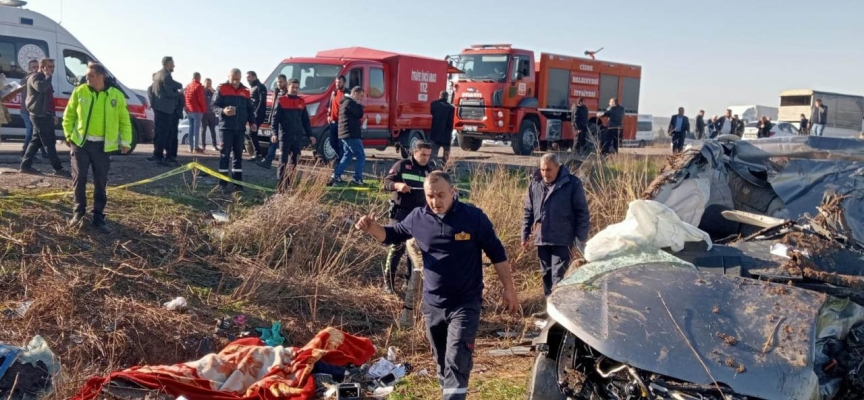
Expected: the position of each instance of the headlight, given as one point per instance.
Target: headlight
(312, 109)
(500, 114)
(500, 123)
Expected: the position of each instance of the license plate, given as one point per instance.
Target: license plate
(265, 132)
(469, 128)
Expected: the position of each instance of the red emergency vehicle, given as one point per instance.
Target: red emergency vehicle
(399, 90)
(504, 93)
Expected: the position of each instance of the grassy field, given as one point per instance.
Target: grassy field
(97, 299)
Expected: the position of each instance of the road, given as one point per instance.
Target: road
(134, 167)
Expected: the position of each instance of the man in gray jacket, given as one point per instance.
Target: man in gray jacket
(556, 215)
(40, 104)
(164, 96)
(818, 118)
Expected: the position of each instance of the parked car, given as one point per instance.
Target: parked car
(779, 129)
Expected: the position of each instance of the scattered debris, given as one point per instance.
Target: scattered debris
(272, 336)
(220, 216)
(780, 250)
(27, 372)
(730, 340)
(508, 334)
(177, 304)
(716, 310)
(18, 311)
(512, 351)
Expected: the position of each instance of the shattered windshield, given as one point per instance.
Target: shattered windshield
(483, 67)
(314, 78)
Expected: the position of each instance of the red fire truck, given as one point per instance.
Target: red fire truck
(399, 90)
(504, 93)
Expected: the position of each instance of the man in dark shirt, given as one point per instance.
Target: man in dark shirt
(32, 69)
(405, 180)
(233, 107)
(579, 118)
(165, 97)
(452, 237)
(679, 125)
(613, 136)
(40, 104)
(351, 135)
(818, 118)
(803, 129)
(700, 125)
(258, 95)
(209, 119)
(441, 134)
(290, 126)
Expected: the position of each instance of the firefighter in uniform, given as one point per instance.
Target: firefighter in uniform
(405, 180)
(451, 236)
(290, 126)
(232, 105)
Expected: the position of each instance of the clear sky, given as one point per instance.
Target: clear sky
(696, 53)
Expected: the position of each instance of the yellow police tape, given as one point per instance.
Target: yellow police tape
(188, 167)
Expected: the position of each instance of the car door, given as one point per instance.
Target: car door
(376, 106)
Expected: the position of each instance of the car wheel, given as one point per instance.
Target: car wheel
(544, 380)
(185, 139)
(641, 144)
(323, 148)
(526, 140)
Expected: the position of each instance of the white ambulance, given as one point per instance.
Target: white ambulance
(27, 35)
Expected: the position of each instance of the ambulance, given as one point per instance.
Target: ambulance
(27, 35)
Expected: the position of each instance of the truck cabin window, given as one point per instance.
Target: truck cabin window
(314, 78)
(483, 67)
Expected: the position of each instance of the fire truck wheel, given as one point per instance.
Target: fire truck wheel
(407, 141)
(526, 140)
(469, 143)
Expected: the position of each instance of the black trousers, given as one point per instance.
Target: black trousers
(208, 120)
(290, 153)
(611, 140)
(43, 137)
(582, 131)
(161, 134)
(91, 155)
(172, 142)
(394, 257)
(233, 144)
(451, 332)
(677, 142)
(554, 261)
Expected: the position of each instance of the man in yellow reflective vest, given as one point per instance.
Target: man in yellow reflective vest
(96, 123)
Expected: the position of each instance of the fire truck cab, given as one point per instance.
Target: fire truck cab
(505, 93)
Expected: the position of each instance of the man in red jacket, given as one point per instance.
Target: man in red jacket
(333, 116)
(196, 105)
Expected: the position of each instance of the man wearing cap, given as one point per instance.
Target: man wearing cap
(452, 237)
(96, 123)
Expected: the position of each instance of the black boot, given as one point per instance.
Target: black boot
(100, 224)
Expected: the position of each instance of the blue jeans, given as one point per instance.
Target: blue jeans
(817, 129)
(194, 128)
(28, 133)
(271, 153)
(352, 148)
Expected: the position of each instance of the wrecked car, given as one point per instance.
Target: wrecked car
(762, 301)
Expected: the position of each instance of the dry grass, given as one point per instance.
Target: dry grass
(295, 258)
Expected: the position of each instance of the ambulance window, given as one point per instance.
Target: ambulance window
(16, 53)
(355, 78)
(76, 66)
(376, 83)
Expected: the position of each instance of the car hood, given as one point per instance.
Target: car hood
(758, 338)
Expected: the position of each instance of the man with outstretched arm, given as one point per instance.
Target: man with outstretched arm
(451, 236)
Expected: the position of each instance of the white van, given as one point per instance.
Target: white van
(27, 35)
(644, 130)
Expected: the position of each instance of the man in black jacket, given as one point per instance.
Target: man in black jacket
(350, 133)
(818, 118)
(290, 125)
(405, 180)
(164, 96)
(441, 134)
(258, 93)
(700, 125)
(556, 215)
(232, 105)
(679, 125)
(40, 105)
(579, 118)
(614, 131)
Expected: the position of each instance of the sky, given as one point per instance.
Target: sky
(702, 54)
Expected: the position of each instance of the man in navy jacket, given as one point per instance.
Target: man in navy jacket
(452, 237)
(556, 215)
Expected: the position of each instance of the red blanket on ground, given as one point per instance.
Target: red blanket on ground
(246, 369)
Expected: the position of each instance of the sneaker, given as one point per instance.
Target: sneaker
(76, 220)
(172, 162)
(264, 164)
(254, 159)
(237, 189)
(335, 182)
(30, 170)
(356, 183)
(199, 151)
(62, 173)
(155, 159)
